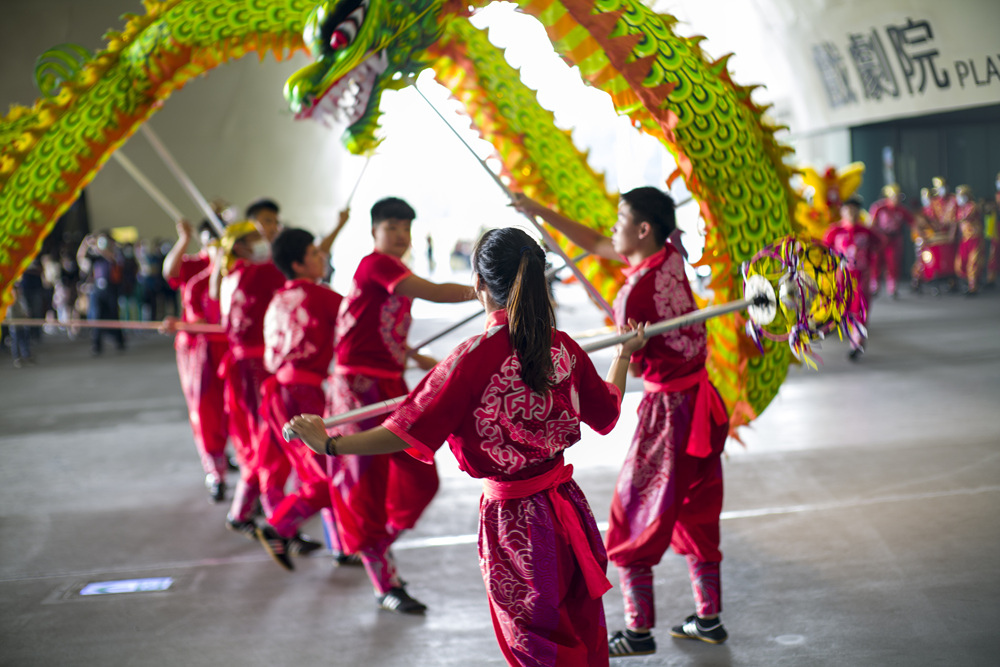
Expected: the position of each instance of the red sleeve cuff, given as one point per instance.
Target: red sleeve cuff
(417, 450)
(391, 287)
(618, 410)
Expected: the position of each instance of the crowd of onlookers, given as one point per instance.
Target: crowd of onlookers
(96, 278)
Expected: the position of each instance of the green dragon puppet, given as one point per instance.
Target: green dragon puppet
(725, 150)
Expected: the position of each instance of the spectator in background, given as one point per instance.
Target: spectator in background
(20, 336)
(128, 291)
(66, 290)
(33, 293)
(150, 276)
(98, 257)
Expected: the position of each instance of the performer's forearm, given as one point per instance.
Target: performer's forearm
(378, 440)
(618, 373)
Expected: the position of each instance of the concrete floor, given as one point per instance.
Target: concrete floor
(860, 523)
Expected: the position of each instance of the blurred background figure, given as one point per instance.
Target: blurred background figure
(970, 257)
(20, 336)
(893, 221)
(99, 259)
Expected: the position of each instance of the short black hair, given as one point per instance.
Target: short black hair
(289, 247)
(261, 205)
(207, 226)
(854, 201)
(392, 207)
(654, 206)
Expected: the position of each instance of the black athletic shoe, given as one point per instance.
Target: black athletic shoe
(216, 489)
(709, 630)
(626, 642)
(302, 544)
(247, 529)
(350, 560)
(399, 601)
(855, 353)
(276, 546)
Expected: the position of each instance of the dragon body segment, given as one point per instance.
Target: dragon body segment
(726, 153)
(50, 152)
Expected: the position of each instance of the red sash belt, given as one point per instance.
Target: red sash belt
(248, 352)
(285, 376)
(566, 514)
(370, 371)
(709, 409)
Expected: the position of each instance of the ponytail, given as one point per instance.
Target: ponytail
(530, 317)
(512, 266)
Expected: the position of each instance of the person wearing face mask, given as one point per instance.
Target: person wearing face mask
(244, 280)
(970, 259)
(264, 214)
(892, 220)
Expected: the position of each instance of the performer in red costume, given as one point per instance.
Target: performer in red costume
(669, 492)
(893, 221)
(859, 245)
(380, 496)
(244, 282)
(199, 354)
(509, 401)
(992, 234)
(971, 257)
(299, 337)
(934, 248)
(942, 211)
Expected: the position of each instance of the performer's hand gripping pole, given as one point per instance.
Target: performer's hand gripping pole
(759, 303)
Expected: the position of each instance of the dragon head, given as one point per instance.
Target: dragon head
(362, 48)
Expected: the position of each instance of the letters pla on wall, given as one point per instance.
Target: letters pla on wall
(861, 65)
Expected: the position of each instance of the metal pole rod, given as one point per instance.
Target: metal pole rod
(179, 174)
(669, 325)
(546, 236)
(376, 409)
(147, 185)
(114, 324)
(451, 328)
(358, 182)
(548, 274)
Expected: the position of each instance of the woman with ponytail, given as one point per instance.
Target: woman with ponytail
(508, 402)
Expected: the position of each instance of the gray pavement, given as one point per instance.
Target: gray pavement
(860, 523)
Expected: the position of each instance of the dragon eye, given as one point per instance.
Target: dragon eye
(338, 40)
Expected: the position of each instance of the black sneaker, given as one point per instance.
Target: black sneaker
(216, 488)
(302, 544)
(707, 630)
(626, 642)
(276, 546)
(399, 601)
(247, 529)
(350, 560)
